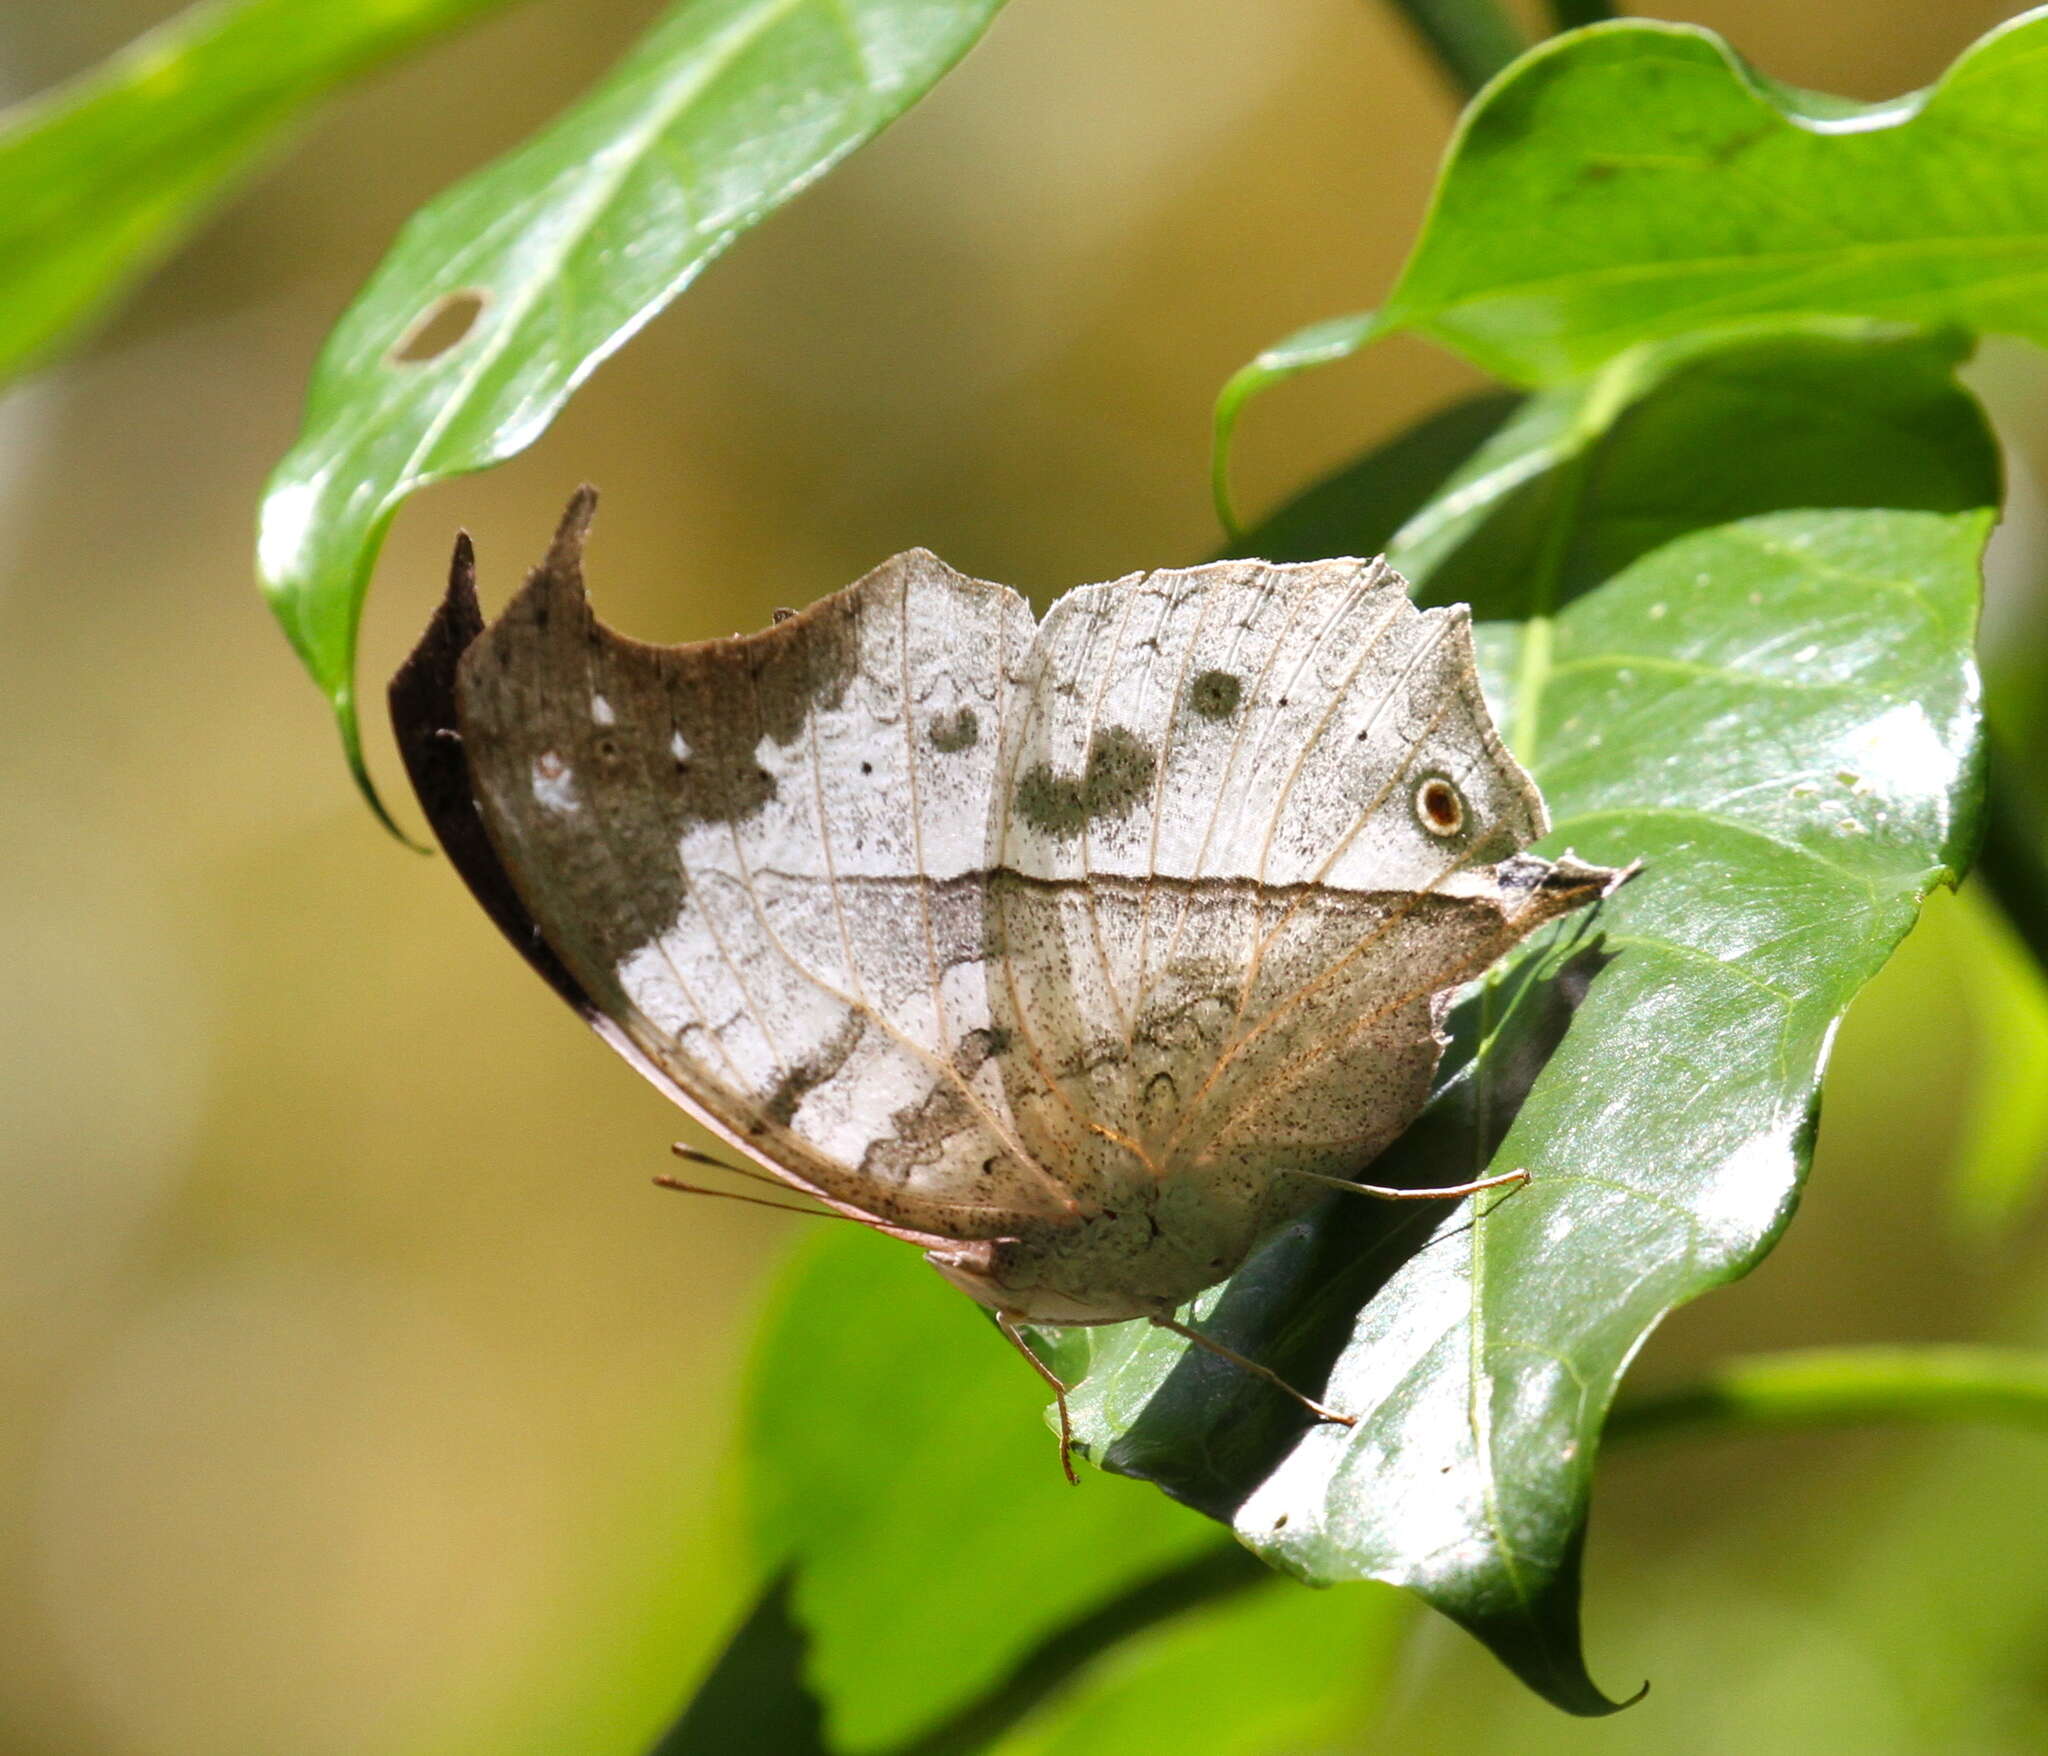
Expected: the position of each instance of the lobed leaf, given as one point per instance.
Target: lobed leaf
(1726, 619)
(1638, 181)
(100, 178)
(501, 296)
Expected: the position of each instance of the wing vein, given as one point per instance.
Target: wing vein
(1252, 696)
(1143, 991)
(1256, 961)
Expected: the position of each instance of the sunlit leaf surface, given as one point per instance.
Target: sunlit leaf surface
(1726, 619)
(1638, 182)
(505, 293)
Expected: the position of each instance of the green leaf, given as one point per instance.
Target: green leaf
(1638, 181)
(1826, 1387)
(1320, 344)
(556, 255)
(1275, 1669)
(2002, 1158)
(1726, 620)
(754, 1703)
(101, 178)
(1366, 503)
(896, 1460)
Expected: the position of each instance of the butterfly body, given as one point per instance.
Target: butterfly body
(1057, 949)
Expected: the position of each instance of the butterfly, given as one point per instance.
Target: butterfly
(1079, 953)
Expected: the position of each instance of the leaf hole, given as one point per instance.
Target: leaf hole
(440, 326)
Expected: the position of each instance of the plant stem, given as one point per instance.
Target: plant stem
(1822, 1387)
(1570, 14)
(2011, 862)
(1472, 40)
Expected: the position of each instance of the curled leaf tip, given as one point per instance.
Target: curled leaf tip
(359, 771)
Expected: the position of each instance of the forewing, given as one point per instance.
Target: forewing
(763, 858)
(1229, 916)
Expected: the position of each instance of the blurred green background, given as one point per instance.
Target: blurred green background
(361, 1394)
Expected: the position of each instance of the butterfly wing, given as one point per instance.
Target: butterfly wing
(760, 862)
(1253, 822)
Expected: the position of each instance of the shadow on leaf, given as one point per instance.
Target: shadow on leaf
(1210, 1434)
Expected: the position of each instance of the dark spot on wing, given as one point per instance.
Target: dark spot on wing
(1216, 694)
(725, 697)
(1119, 770)
(955, 731)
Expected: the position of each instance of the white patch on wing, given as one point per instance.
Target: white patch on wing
(554, 784)
(601, 712)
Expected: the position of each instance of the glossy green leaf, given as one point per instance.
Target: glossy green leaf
(502, 295)
(1726, 619)
(1638, 181)
(101, 178)
(895, 1460)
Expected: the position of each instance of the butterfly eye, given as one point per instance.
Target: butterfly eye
(1438, 808)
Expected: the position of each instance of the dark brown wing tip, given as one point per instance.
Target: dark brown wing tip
(420, 694)
(427, 724)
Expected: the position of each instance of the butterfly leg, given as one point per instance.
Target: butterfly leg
(1016, 1339)
(1258, 1371)
(1447, 1192)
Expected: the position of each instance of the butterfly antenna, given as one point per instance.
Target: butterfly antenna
(1447, 1192)
(1015, 1337)
(1212, 1345)
(677, 1184)
(718, 1164)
